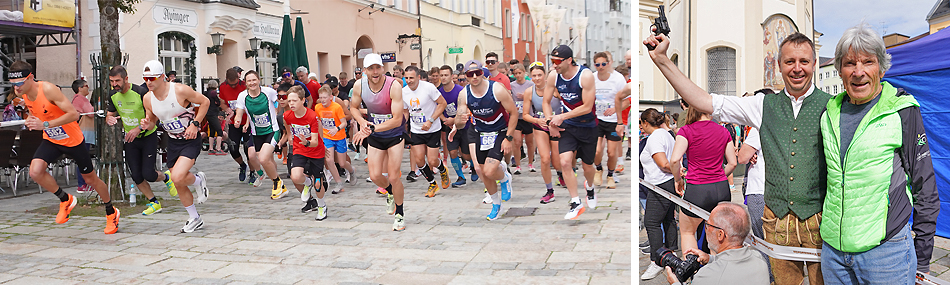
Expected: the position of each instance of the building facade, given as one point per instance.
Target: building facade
(828, 78)
(456, 31)
(609, 28)
(517, 32)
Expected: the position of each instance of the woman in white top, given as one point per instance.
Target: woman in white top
(655, 159)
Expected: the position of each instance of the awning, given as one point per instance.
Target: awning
(10, 28)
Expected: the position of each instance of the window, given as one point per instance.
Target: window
(523, 35)
(721, 70)
(819, 75)
(175, 55)
(615, 5)
(530, 28)
(267, 63)
(476, 22)
(836, 89)
(836, 73)
(507, 23)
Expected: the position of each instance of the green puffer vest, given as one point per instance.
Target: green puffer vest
(854, 215)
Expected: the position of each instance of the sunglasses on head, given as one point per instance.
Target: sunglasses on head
(150, 79)
(473, 73)
(491, 61)
(556, 61)
(536, 63)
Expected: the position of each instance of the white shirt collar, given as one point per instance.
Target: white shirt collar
(811, 90)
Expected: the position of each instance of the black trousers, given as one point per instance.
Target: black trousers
(660, 212)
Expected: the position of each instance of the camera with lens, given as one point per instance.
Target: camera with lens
(683, 269)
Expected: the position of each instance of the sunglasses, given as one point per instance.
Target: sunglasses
(461, 79)
(491, 61)
(536, 63)
(473, 73)
(150, 79)
(600, 64)
(282, 96)
(358, 74)
(556, 61)
(287, 74)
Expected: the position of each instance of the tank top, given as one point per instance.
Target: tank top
(130, 109)
(487, 112)
(174, 118)
(68, 135)
(571, 97)
(537, 104)
(379, 108)
(517, 89)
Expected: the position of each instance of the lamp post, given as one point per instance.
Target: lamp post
(255, 46)
(217, 40)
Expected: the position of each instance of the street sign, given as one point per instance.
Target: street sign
(388, 57)
(415, 46)
(455, 50)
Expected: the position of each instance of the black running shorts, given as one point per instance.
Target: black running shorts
(607, 130)
(492, 149)
(431, 140)
(581, 140)
(524, 127)
(50, 152)
(187, 148)
(707, 196)
(311, 166)
(383, 143)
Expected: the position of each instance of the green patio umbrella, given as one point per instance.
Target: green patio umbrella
(288, 55)
(300, 44)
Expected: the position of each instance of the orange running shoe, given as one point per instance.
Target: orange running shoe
(112, 223)
(64, 209)
(280, 155)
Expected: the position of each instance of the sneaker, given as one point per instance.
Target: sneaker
(202, 188)
(619, 169)
(411, 177)
(390, 204)
(347, 180)
(474, 176)
(252, 178)
(151, 208)
(547, 198)
(611, 184)
(83, 189)
(652, 272)
(280, 155)
(279, 190)
(259, 181)
(517, 170)
(598, 177)
(243, 174)
(192, 224)
(495, 208)
(112, 223)
(309, 207)
(445, 178)
(576, 210)
(370, 180)
(400, 223)
(645, 244)
(381, 191)
(337, 188)
(488, 199)
(65, 208)
(433, 188)
(645, 251)
(321, 213)
(284, 161)
(560, 181)
(531, 168)
(506, 188)
(592, 199)
(170, 185)
(305, 194)
(459, 183)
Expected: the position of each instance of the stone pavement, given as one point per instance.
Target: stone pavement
(248, 238)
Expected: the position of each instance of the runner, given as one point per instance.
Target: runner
(547, 145)
(140, 145)
(334, 139)
(166, 103)
(424, 106)
(384, 133)
(492, 111)
(286, 76)
(494, 74)
(51, 112)
(524, 129)
(228, 92)
(262, 111)
(307, 160)
(608, 82)
(578, 119)
(458, 145)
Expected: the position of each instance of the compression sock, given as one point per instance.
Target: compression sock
(457, 165)
(441, 167)
(63, 197)
(427, 173)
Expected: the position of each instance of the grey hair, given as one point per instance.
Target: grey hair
(862, 39)
(302, 69)
(734, 220)
(213, 84)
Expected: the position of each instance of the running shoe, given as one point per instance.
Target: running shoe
(400, 223)
(279, 190)
(488, 199)
(411, 177)
(531, 168)
(611, 184)
(459, 183)
(321, 213)
(170, 185)
(305, 194)
(309, 207)
(495, 209)
(474, 176)
(65, 208)
(619, 169)
(560, 181)
(347, 180)
(151, 208)
(370, 180)
(598, 177)
(243, 174)
(337, 188)
(576, 210)
(592, 199)
(506, 187)
(445, 178)
(280, 154)
(202, 188)
(652, 272)
(192, 224)
(517, 170)
(645, 244)
(252, 178)
(390, 204)
(381, 191)
(284, 161)
(112, 223)
(260, 180)
(433, 188)
(83, 189)
(547, 198)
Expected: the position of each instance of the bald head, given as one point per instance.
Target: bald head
(733, 219)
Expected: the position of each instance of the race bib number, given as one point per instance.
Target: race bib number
(381, 118)
(417, 118)
(450, 110)
(232, 104)
(487, 140)
(56, 133)
(602, 107)
(301, 131)
(328, 122)
(520, 105)
(262, 121)
(173, 126)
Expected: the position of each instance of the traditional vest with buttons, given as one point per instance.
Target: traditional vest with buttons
(795, 178)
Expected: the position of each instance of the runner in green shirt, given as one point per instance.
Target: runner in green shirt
(260, 105)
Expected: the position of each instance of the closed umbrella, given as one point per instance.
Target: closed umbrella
(287, 56)
(301, 46)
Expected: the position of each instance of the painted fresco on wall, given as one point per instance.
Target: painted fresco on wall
(776, 28)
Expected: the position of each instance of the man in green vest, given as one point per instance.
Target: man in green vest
(791, 144)
(879, 173)
(140, 145)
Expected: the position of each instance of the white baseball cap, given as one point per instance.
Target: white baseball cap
(153, 68)
(372, 59)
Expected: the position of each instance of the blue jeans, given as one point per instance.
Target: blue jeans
(893, 262)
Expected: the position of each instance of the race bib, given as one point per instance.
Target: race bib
(232, 104)
(132, 122)
(417, 118)
(262, 121)
(328, 122)
(381, 118)
(56, 133)
(173, 126)
(487, 140)
(450, 110)
(602, 107)
(520, 105)
(301, 131)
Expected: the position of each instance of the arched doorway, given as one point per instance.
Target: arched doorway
(477, 53)
(364, 42)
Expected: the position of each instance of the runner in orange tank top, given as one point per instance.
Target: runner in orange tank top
(55, 115)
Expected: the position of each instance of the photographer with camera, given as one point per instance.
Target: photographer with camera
(734, 263)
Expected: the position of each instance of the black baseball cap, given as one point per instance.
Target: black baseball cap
(359, 70)
(563, 51)
(286, 70)
(332, 82)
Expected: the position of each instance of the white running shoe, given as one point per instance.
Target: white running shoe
(591, 200)
(305, 195)
(321, 213)
(369, 180)
(390, 204)
(576, 210)
(202, 188)
(259, 181)
(488, 199)
(192, 224)
(652, 272)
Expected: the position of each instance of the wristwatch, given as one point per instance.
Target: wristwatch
(46, 125)
(307, 144)
(196, 124)
(510, 138)
(372, 129)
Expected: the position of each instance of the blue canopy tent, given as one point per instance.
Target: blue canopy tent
(922, 68)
